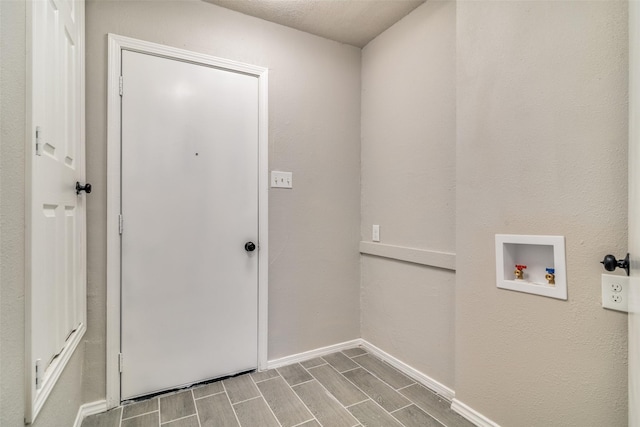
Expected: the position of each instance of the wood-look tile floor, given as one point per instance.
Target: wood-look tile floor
(345, 389)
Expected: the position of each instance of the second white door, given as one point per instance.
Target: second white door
(189, 209)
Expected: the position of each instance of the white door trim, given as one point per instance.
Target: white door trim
(116, 45)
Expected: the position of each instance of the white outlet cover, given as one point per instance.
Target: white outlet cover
(615, 292)
(375, 234)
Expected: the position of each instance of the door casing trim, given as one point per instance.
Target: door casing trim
(116, 45)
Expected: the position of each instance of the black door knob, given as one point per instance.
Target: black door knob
(86, 188)
(249, 247)
(611, 263)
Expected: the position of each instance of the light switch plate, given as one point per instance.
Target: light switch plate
(281, 179)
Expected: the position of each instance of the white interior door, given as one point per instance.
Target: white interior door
(189, 205)
(56, 230)
(634, 213)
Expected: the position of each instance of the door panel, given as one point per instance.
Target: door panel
(189, 204)
(56, 268)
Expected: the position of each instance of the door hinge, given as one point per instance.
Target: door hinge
(38, 141)
(121, 84)
(120, 362)
(120, 223)
(38, 374)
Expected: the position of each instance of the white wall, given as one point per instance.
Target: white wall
(314, 131)
(408, 187)
(62, 405)
(541, 149)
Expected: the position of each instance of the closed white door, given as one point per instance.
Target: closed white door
(189, 207)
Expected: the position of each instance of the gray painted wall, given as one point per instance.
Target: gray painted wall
(541, 123)
(408, 187)
(63, 403)
(541, 149)
(314, 131)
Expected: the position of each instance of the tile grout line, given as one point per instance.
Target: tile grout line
(193, 398)
(404, 407)
(244, 401)
(208, 395)
(136, 416)
(261, 381)
(300, 400)
(121, 415)
(434, 416)
(265, 400)
(331, 396)
(366, 394)
(357, 403)
(396, 389)
(232, 408)
(179, 419)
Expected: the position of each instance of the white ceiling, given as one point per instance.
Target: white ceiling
(354, 22)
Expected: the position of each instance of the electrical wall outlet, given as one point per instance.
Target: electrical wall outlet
(615, 292)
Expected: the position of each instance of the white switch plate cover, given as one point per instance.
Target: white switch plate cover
(615, 292)
(281, 179)
(375, 233)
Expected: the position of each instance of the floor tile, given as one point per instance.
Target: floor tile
(208, 389)
(341, 388)
(371, 415)
(106, 419)
(375, 393)
(284, 403)
(176, 406)
(323, 406)
(216, 411)
(435, 406)
(412, 416)
(139, 408)
(146, 420)
(264, 375)
(377, 390)
(340, 362)
(240, 388)
(294, 374)
(183, 422)
(313, 362)
(352, 352)
(312, 423)
(255, 412)
(384, 371)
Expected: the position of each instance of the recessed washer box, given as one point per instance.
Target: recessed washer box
(536, 252)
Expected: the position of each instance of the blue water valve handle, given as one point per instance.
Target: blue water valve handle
(551, 270)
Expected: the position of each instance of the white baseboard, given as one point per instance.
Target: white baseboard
(307, 355)
(87, 409)
(423, 379)
(472, 415)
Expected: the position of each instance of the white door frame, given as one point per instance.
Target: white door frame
(116, 45)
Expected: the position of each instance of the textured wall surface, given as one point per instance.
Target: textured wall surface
(541, 149)
(314, 130)
(408, 186)
(62, 405)
(12, 116)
